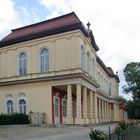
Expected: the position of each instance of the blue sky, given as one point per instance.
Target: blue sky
(33, 8)
(115, 24)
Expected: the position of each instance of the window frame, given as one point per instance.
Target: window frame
(22, 107)
(10, 107)
(82, 56)
(110, 89)
(42, 67)
(22, 70)
(88, 62)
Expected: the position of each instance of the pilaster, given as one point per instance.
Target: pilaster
(95, 107)
(78, 119)
(69, 119)
(91, 106)
(85, 118)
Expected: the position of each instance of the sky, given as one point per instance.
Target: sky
(115, 24)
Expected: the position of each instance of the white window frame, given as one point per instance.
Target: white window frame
(8, 98)
(22, 107)
(58, 113)
(93, 67)
(11, 107)
(110, 89)
(88, 62)
(64, 110)
(25, 65)
(46, 66)
(21, 96)
(82, 54)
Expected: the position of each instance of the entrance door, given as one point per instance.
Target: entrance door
(64, 110)
(56, 109)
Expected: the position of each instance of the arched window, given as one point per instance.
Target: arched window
(9, 106)
(82, 57)
(22, 64)
(44, 60)
(88, 62)
(22, 106)
(110, 88)
(56, 107)
(64, 108)
(93, 67)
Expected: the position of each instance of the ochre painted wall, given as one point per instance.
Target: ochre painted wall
(38, 97)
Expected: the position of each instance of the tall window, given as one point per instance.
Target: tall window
(110, 88)
(64, 108)
(44, 60)
(82, 57)
(22, 64)
(22, 106)
(88, 62)
(9, 106)
(93, 66)
(56, 107)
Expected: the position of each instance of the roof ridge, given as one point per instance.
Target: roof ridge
(38, 23)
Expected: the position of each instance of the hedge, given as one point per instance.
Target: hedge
(6, 119)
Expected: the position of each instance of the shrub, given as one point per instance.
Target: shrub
(97, 135)
(121, 127)
(6, 119)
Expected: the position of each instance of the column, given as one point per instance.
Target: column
(78, 119)
(95, 107)
(110, 112)
(91, 106)
(99, 109)
(85, 105)
(69, 119)
(102, 110)
(105, 111)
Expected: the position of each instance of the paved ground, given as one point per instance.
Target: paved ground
(43, 133)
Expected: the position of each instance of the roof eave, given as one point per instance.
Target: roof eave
(62, 29)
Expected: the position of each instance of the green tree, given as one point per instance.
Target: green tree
(132, 78)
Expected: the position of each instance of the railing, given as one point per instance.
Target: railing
(132, 133)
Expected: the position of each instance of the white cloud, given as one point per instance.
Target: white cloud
(13, 16)
(115, 25)
(56, 7)
(8, 15)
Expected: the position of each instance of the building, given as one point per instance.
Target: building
(53, 67)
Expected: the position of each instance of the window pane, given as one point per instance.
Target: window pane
(88, 63)
(9, 107)
(22, 106)
(64, 108)
(93, 66)
(56, 107)
(23, 64)
(44, 60)
(82, 57)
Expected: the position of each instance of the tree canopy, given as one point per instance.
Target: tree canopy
(132, 78)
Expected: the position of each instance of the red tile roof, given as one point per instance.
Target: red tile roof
(61, 21)
(53, 26)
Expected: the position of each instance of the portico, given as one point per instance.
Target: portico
(83, 106)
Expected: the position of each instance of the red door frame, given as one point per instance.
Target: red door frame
(62, 94)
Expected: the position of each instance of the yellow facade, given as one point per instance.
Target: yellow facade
(87, 95)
